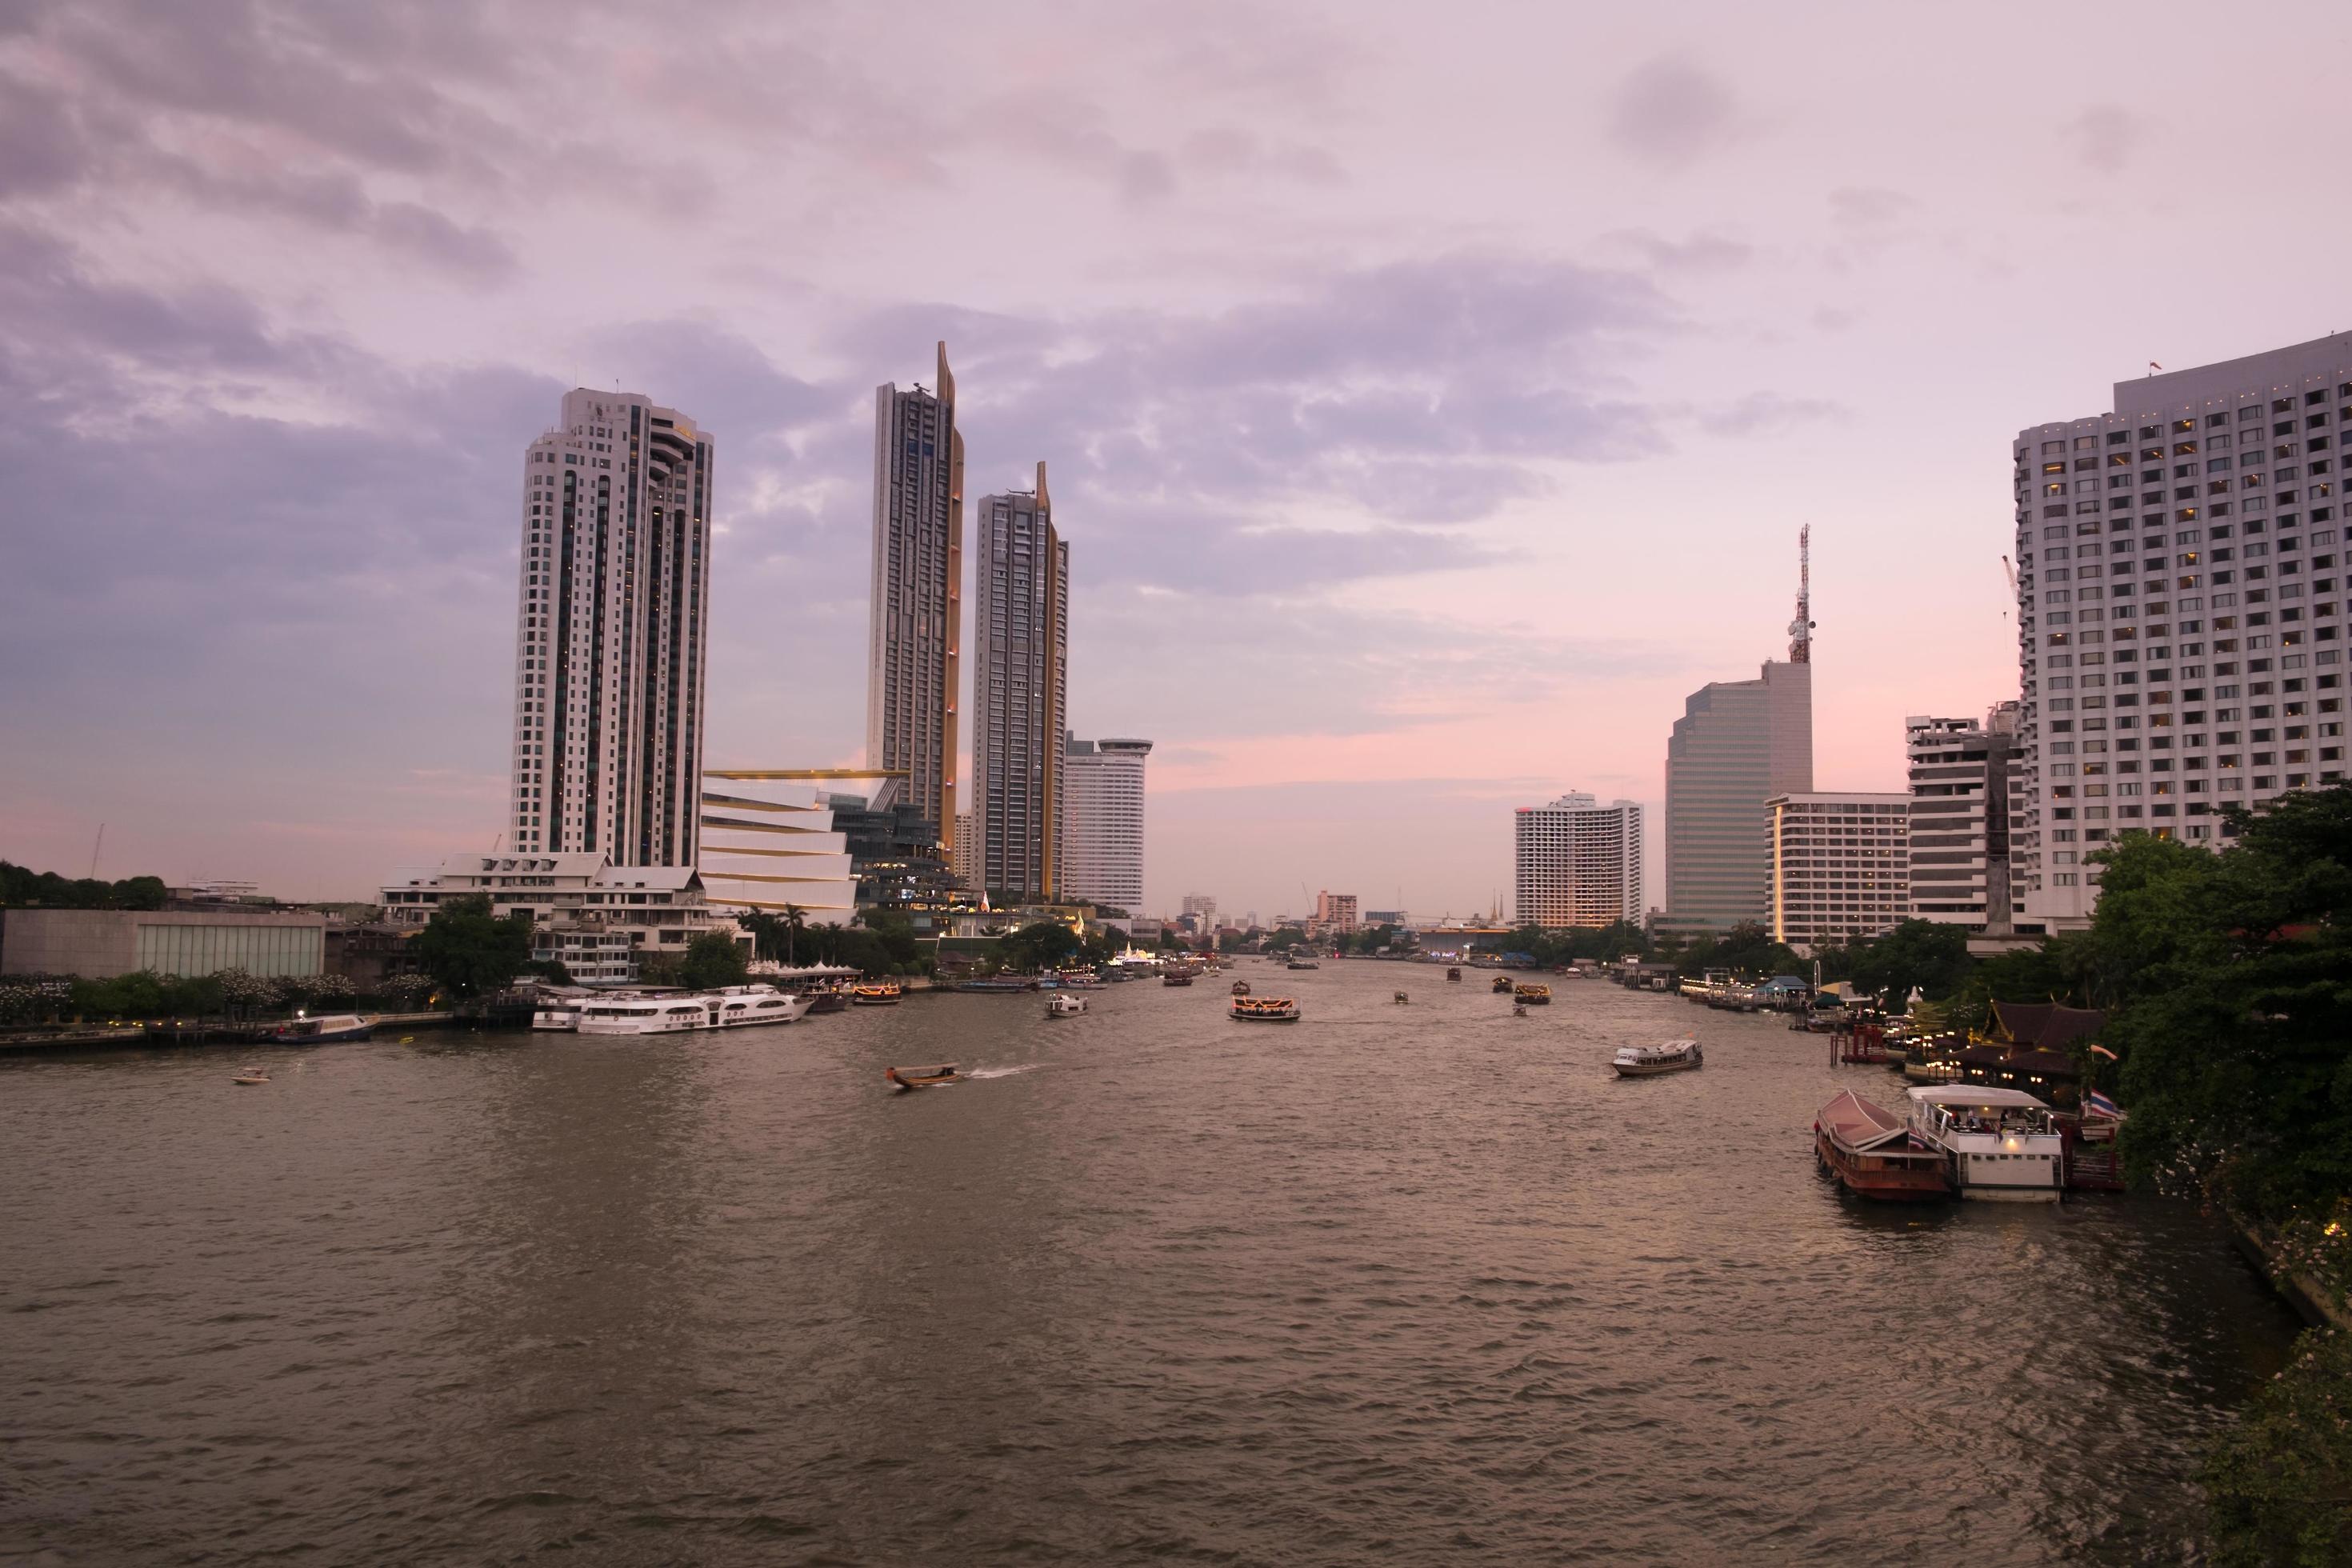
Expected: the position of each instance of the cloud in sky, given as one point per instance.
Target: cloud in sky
(1430, 395)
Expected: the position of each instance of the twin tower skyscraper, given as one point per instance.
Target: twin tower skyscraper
(1021, 644)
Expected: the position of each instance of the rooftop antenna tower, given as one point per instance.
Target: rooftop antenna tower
(1800, 630)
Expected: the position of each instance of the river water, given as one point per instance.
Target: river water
(1398, 1285)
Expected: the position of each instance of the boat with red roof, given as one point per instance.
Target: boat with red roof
(1869, 1150)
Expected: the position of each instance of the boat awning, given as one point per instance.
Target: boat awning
(1975, 1096)
(1859, 1124)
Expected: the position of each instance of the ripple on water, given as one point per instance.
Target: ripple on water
(1403, 1285)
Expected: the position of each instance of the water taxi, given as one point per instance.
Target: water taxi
(1533, 995)
(1454, 972)
(882, 994)
(1998, 1144)
(922, 1078)
(1649, 1061)
(1177, 977)
(1241, 988)
(1064, 1007)
(1502, 987)
(320, 1031)
(1871, 1152)
(1266, 1010)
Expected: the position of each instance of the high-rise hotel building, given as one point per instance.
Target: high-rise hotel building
(2180, 609)
(1837, 863)
(1579, 863)
(1021, 687)
(1101, 859)
(1968, 793)
(612, 624)
(917, 595)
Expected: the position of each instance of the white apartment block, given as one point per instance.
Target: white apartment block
(2180, 611)
(1579, 863)
(610, 629)
(1968, 787)
(1102, 823)
(1840, 866)
(916, 607)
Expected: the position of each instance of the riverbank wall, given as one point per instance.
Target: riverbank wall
(2310, 1297)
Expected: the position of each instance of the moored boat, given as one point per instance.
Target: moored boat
(1649, 1061)
(884, 994)
(1998, 1144)
(561, 1013)
(1874, 1154)
(674, 1013)
(923, 1078)
(1177, 977)
(324, 1029)
(739, 1006)
(1266, 1010)
(1532, 995)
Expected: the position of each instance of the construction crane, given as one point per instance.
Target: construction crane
(2009, 567)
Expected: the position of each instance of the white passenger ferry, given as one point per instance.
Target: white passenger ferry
(2000, 1144)
(733, 1007)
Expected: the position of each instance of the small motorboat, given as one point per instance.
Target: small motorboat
(250, 1075)
(1177, 977)
(1518, 1009)
(923, 1078)
(1401, 998)
(1266, 1010)
(883, 995)
(1502, 986)
(1649, 1061)
(1454, 972)
(1064, 1007)
(1241, 988)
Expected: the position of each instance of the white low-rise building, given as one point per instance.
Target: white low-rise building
(768, 842)
(660, 908)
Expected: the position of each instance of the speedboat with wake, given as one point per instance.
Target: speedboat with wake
(923, 1078)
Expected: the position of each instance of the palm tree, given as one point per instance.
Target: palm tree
(794, 922)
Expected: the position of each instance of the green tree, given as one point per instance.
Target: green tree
(2281, 1481)
(712, 959)
(469, 952)
(1933, 957)
(1039, 945)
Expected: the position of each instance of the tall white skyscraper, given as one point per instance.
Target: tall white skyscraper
(2180, 611)
(1579, 863)
(1021, 685)
(1102, 823)
(917, 606)
(611, 631)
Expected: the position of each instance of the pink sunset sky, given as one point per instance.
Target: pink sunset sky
(1432, 393)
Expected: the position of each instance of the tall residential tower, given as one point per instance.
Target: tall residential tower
(611, 631)
(917, 596)
(1102, 823)
(1579, 863)
(1021, 685)
(2179, 609)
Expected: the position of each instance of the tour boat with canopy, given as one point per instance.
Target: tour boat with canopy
(1266, 1010)
(1998, 1144)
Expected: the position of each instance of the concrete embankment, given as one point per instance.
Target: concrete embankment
(2308, 1296)
(174, 1034)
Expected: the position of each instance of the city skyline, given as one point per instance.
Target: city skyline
(1351, 429)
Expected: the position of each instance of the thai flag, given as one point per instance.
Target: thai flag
(2100, 1103)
